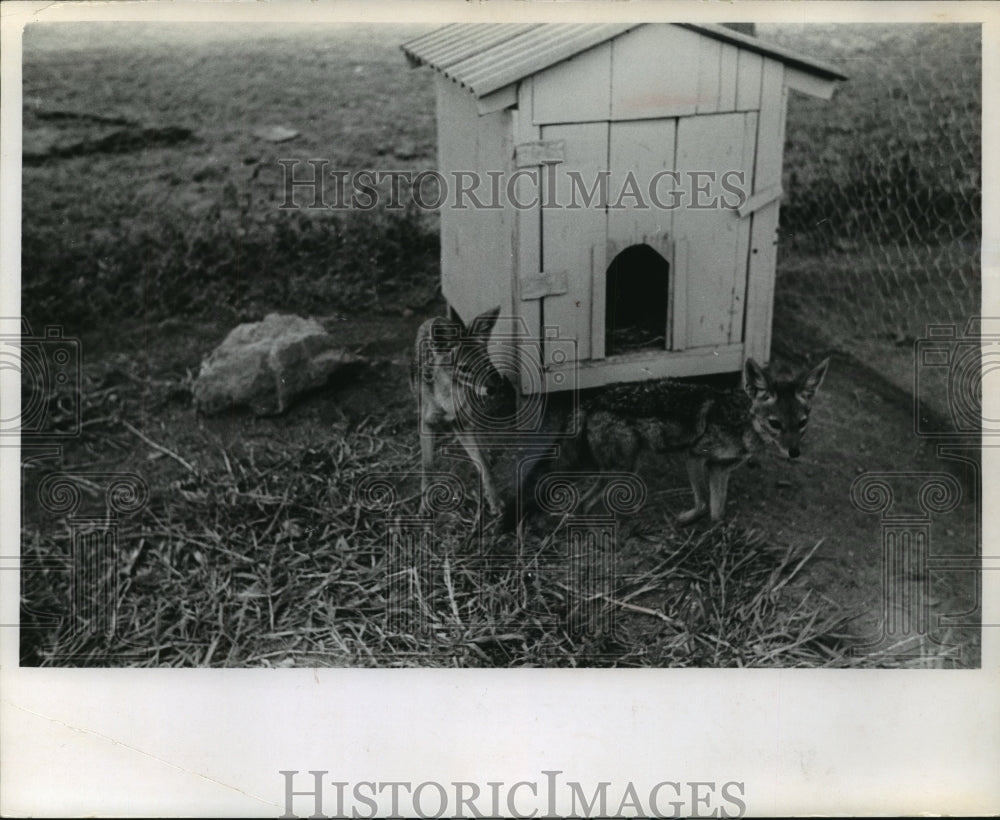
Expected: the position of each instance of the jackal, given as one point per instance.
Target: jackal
(718, 430)
(459, 391)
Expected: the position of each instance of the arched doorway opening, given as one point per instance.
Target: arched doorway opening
(636, 301)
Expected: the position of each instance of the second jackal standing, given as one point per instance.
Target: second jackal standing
(718, 430)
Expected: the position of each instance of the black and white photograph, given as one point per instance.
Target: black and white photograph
(498, 341)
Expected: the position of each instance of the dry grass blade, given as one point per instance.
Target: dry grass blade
(160, 448)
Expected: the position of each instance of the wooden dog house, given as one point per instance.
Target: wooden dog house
(654, 280)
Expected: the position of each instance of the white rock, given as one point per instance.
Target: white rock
(265, 365)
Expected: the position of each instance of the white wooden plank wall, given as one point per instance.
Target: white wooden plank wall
(748, 70)
(452, 151)
(577, 90)
(764, 227)
(640, 366)
(643, 148)
(570, 237)
(711, 143)
(526, 247)
(476, 263)
(727, 77)
(709, 76)
(654, 73)
(649, 73)
(737, 304)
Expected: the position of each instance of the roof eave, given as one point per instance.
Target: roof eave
(824, 71)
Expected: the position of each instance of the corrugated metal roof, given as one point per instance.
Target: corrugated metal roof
(511, 53)
(450, 45)
(485, 57)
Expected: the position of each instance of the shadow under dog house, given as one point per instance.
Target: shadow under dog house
(617, 186)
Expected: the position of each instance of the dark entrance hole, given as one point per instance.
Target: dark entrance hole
(636, 304)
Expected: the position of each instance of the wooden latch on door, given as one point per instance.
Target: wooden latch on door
(759, 200)
(527, 154)
(544, 284)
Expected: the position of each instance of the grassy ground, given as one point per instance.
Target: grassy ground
(881, 220)
(253, 548)
(194, 228)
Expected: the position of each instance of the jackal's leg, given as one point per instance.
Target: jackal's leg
(476, 454)
(718, 483)
(427, 437)
(697, 472)
(426, 456)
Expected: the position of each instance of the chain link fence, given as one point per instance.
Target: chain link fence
(881, 219)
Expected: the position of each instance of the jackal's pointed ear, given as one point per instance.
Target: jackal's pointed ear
(808, 383)
(756, 382)
(481, 327)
